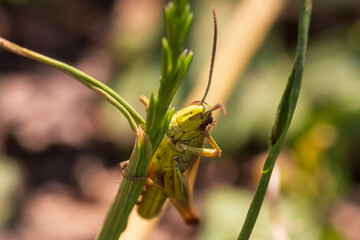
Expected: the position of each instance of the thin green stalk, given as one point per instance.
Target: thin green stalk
(90, 82)
(282, 121)
(176, 62)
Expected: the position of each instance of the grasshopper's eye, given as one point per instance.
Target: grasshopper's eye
(203, 125)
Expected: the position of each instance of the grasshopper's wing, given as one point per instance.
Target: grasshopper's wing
(182, 199)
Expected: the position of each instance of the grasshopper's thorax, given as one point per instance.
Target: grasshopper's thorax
(190, 122)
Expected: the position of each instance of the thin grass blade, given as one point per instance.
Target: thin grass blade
(282, 120)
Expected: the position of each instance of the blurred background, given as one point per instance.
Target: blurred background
(60, 144)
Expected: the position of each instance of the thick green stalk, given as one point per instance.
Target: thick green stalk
(130, 189)
(90, 82)
(176, 62)
(282, 121)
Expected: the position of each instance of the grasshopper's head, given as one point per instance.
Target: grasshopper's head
(197, 116)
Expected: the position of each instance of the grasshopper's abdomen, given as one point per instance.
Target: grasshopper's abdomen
(152, 202)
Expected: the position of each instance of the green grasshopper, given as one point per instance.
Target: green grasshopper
(180, 151)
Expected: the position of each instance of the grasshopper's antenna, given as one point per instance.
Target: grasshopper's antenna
(212, 58)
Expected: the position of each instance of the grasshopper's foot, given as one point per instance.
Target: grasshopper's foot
(123, 166)
(208, 127)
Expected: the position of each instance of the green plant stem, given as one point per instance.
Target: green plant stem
(176, 62)
(110, 95)
(129, 190)
(282, 120)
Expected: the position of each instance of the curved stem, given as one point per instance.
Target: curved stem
(110, 95)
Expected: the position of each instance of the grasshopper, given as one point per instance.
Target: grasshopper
(178, 155)
(179, 151)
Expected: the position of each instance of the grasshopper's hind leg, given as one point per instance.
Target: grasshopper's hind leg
(181, 198)
(187, 211)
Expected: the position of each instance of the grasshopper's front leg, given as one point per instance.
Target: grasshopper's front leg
(206, 152)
